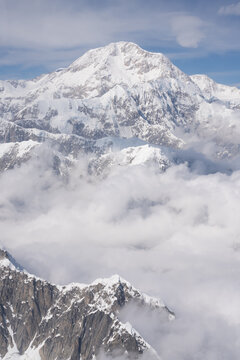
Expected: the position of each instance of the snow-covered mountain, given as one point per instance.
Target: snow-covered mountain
(116, 92)
(119, 106)
(44, 321)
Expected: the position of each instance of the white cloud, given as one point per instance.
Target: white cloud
(65, 25)
(189, 30)
(55, 33)
(232, 9)
(36, 31)
(173, 235)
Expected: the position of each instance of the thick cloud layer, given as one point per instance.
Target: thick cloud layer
(174, 235)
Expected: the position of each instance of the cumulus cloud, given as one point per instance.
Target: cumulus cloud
(232, 9)
(173, 235)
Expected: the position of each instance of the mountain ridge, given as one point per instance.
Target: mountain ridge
(118, 91)
(44, 321)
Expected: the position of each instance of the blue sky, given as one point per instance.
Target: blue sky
(200, 36)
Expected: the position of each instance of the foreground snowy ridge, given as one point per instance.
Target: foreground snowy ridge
(44, 321)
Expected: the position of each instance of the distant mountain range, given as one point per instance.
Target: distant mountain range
(119, 104)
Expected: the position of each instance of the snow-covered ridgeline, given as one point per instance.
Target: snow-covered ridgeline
(119, 91)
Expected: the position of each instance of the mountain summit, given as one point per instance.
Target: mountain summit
(119, 91)
(125, 63)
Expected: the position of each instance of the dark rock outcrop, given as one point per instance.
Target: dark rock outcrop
(66, 322)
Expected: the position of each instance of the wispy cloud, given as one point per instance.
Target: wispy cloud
(38, 30)
(53, 34)
(232, 9)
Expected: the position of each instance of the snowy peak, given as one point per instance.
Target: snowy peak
(203, 81)
(211, 89)
(7, 261)
(124, 62)
(119, 49)
(45, 321)
(123, 292)
(118, 91)
(114, 292)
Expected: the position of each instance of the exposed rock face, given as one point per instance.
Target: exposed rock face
(115, 92)
(43, 321)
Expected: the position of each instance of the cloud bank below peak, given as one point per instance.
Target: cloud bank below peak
(175, 235)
